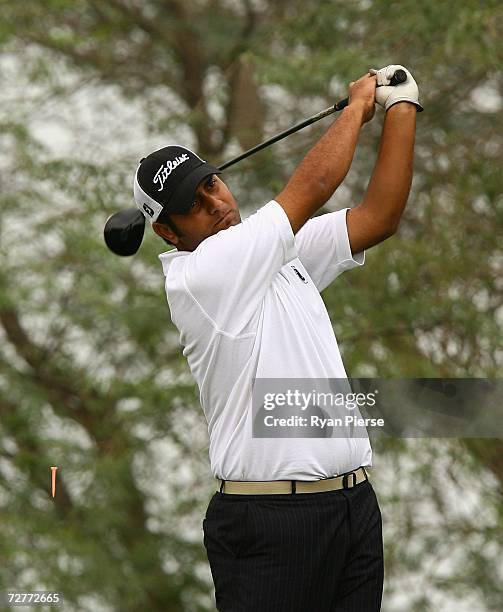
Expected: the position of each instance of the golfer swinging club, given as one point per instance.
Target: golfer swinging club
(295, 525)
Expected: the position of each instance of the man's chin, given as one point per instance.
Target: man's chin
(231, 219)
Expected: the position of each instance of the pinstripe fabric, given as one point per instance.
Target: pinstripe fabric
(315, 552)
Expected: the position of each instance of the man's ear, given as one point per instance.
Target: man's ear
(165, 232)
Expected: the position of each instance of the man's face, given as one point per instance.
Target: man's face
(213, 210)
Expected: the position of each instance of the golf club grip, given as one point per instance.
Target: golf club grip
(400, 76)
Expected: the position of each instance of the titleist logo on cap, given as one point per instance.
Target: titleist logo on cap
(165, 170)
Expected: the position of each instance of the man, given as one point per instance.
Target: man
(295, 524)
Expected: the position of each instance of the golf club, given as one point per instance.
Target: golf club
(124, 230)
(400, 76)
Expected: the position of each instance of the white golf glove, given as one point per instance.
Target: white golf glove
(387, 95)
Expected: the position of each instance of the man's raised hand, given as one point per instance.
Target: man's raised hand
(363, 91)
(387, 95)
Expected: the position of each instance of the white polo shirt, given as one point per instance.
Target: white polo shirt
(243, 313)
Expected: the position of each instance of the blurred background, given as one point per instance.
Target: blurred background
(91, 374)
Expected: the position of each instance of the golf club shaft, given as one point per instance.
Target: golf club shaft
(281, 135)
(399, 77)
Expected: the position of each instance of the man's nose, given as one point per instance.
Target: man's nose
(214, 204)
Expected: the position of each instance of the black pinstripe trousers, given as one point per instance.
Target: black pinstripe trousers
(309, 552)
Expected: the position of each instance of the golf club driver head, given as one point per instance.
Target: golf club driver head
(124, 231)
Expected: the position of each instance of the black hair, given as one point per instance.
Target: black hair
(164, 219)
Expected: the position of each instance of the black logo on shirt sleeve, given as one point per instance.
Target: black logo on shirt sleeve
(302, 278)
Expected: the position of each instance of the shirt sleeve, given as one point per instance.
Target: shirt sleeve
(323, 248)
(229, 273)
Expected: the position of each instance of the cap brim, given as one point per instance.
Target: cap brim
(124, 231)
(181, 200)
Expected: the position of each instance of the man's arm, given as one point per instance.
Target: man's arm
(327, 163)
(378, 216)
